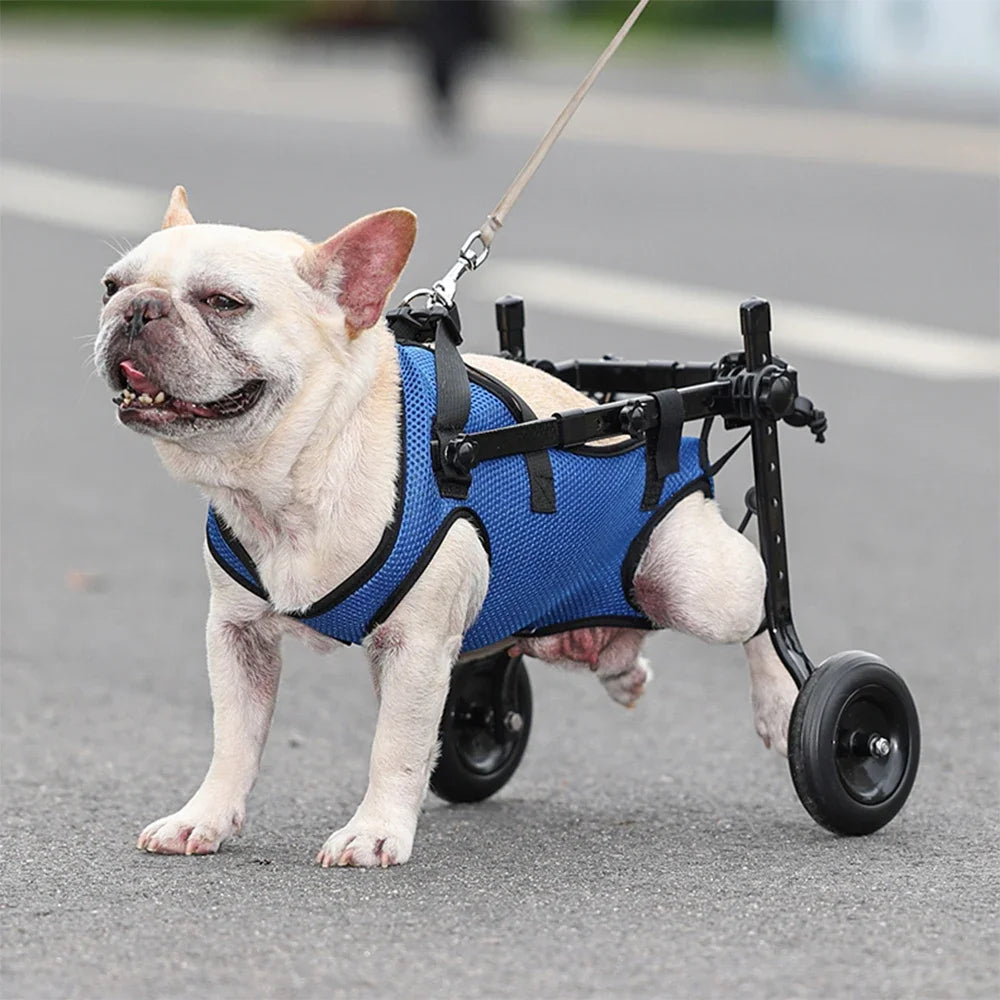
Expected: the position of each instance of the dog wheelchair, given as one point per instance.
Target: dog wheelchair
(854, 735)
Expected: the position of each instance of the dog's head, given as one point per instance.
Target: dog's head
(210, 332)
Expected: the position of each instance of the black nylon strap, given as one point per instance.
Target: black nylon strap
(541, 482)
(713, 469)
(668, 435)
(453, 402)
(663, 444)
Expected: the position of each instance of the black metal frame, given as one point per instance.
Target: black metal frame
(853, 735)
(755, 325)
(751, 389)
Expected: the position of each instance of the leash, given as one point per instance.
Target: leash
(452, 453)
(471, 256)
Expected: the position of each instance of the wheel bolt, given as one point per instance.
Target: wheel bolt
(514, 722)
(879, 746)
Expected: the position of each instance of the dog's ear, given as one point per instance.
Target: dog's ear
(177, 210)
(361, 264)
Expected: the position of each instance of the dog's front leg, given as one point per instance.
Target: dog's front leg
(411, 656)
(244, 665)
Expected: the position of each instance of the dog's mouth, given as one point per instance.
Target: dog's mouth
(141, 400)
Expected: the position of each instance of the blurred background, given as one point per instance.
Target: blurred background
(837, 157)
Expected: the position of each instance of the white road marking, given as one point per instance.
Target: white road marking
(264, 81)
(821, 135)
(849, 338)
(109, 208)
(63, 199)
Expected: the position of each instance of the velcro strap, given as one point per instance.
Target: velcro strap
(668, 435)
(663, 444)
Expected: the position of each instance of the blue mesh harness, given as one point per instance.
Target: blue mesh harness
(553, 566)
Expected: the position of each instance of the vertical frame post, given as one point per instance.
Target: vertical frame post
(510, 325)
(755, 324)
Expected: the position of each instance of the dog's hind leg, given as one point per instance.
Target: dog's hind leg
(700, 576)
(772, 692)
(610, 652)
(622, 669)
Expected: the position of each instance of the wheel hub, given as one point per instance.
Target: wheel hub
(484, 734)
(869, 735)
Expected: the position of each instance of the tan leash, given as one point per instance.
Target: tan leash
(469, 258)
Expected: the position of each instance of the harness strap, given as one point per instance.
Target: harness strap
(713, 469)
(454, 401)
(663, 444)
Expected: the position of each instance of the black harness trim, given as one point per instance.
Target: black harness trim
(639, 544)
(702, 484)
(611, 621)
(241, 553)
(386, 544)
(430, 550)
(359, 577)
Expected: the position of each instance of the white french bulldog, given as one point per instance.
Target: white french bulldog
(260, 365)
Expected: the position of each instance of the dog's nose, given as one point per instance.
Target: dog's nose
(146, 306)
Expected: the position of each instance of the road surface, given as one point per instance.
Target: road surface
(654, 853)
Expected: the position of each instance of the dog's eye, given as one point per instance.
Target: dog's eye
(110, 287)
(222, 303)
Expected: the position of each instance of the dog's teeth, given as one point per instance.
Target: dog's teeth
(159, 398)
(145, 399)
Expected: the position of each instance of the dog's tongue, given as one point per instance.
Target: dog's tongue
(137, 380)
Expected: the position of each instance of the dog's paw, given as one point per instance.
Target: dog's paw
(772, 708)
(627, 688)
(188, 832)
(368, 843)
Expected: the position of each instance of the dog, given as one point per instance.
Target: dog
(260, 365)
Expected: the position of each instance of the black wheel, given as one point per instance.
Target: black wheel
(853, 743)
(484, 729)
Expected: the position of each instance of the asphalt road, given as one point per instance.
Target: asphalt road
(656, 853)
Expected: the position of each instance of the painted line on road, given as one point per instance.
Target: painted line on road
(849, 338)
(63, 199)
(819, 135)
(56, 197)
(261, 82)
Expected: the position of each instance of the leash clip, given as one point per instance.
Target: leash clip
(442, 292)
(468, 260)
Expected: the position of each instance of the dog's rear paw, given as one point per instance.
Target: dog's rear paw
(368, 843)
(772, 708)
(627, 687)
(188, 832)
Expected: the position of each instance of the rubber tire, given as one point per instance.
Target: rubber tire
(455, 779)
(840, 681)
